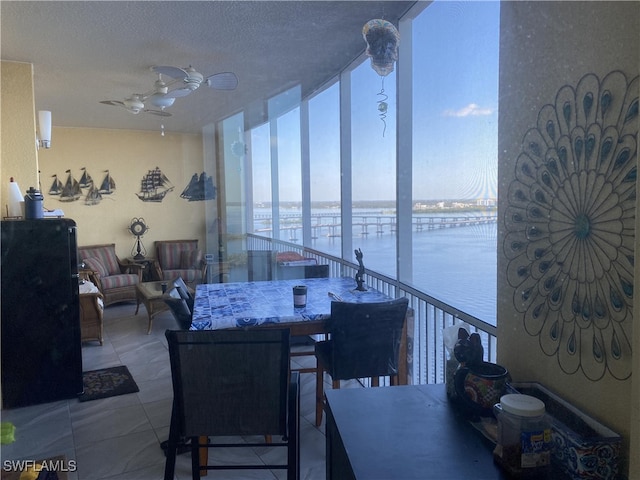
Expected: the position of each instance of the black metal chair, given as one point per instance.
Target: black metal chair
(233, 383)
(180, 302)
(180, 310)
(364, 343)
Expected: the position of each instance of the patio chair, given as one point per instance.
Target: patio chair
(115, 279)
(233, 383)
(179, 258)
(364, 343)
(91, 316)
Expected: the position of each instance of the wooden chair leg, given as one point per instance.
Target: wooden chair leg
(203, 456)
(375, 381)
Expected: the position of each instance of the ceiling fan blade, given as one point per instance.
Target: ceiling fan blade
(115, 103)
(223, 81)
(159, 113)
(173, 72)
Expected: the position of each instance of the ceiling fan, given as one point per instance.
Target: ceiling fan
(135, 104)
(183, 82)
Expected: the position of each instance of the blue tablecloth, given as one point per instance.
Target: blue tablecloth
(228, 305)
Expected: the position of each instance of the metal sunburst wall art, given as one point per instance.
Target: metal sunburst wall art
(570, 225)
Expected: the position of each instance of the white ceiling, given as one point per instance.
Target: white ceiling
(85, 52)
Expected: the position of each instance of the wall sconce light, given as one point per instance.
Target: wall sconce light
(44, 127)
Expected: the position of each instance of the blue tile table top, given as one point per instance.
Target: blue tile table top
(229, 305)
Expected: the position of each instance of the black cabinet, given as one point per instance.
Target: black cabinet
(40, 322)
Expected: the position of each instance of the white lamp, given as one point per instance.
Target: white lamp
(44, 125)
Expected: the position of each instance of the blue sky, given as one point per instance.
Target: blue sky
(455, 117)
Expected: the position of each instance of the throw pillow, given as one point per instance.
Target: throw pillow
(288, 257)
(96, 265)
(190, 259)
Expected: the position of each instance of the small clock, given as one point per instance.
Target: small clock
(138, 227)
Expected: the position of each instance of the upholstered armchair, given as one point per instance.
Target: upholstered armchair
(115, 279)
(91, 312)
(179, 258)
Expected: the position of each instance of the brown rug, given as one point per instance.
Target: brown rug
(107, 382)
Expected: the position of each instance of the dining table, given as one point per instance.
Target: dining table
(269, 304)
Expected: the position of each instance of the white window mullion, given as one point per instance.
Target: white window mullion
(404, 160)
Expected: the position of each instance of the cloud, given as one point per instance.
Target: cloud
(471, 110)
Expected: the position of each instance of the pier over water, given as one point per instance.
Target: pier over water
(329, 224)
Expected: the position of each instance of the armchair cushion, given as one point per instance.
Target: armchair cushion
(288, 257)
(95, 264)
(121, 280)
(179, 258)
(106, 255)
(190, 259)
(116, 280)
(170, 255)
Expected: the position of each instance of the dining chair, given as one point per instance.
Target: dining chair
(233, 383)
(364, 342)
(180, 302)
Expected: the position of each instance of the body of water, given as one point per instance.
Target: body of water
(456, 265)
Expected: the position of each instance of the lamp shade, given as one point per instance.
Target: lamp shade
(44, 126)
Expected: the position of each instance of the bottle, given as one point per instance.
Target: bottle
(15, 207)
(524, 437)
(33, 204)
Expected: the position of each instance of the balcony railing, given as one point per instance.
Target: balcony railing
(431, 316)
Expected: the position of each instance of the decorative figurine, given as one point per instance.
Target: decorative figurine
(468, 349)
(360, 272)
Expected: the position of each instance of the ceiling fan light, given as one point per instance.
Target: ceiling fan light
(161, 101)
(134, 105)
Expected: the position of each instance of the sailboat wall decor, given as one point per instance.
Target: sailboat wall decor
(85, 180)
(154, 186)
(56, 186)
(93, 196)
(199, 188)
(108, 185)
(72, 190)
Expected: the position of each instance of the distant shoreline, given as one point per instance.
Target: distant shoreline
(432, 206)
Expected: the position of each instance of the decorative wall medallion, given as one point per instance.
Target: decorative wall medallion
(570, 223)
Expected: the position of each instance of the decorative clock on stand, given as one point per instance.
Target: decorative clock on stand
(138, 228)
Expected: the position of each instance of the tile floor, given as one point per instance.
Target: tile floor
(118, 438)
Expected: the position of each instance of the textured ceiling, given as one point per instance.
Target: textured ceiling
(85, 52)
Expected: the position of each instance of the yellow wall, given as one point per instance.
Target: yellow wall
(128, 155)
(545, 46)
(18, 157)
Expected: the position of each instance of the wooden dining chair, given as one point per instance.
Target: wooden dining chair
(233, 383)
(364, 342)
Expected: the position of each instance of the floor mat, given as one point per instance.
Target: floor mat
(107, 382)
